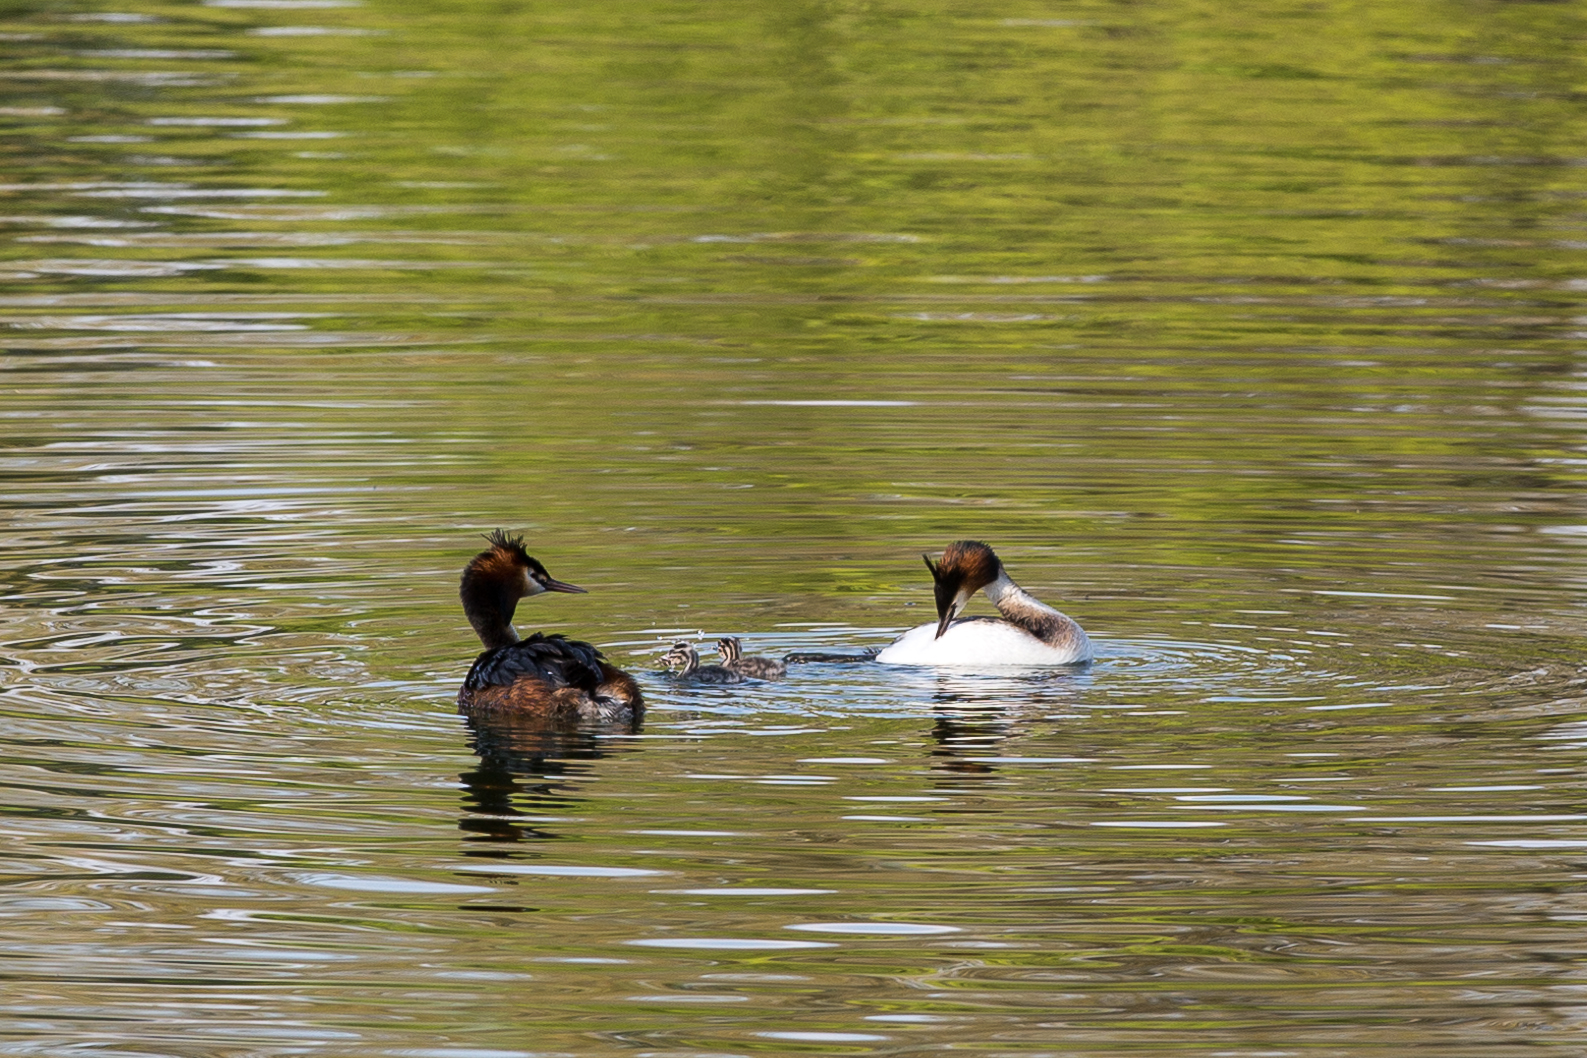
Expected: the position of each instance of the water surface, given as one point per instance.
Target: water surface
(1251, 339)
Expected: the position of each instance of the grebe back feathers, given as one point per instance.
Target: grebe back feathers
(549, 675)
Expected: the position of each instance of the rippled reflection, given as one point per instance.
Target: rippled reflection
(529, 768)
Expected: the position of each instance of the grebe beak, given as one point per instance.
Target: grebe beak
(950, 611)
(556, 585)
(942, 625)
(948, 616)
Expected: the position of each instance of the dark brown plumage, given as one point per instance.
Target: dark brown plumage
(965, 568)
(545, 675)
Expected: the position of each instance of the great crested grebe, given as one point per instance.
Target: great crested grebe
(733, 660)
(544, 675)
(1029, 633)
(688, 659)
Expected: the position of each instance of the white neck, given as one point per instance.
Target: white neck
(1022, 608)
(1005, 594)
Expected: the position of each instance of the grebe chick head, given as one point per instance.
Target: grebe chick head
(966, 567)
(494, 581)
(683, 656)
(730, 649)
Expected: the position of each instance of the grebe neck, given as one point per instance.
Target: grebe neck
(1022, 608)
(489, 608)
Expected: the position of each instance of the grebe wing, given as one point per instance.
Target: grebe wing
(555, 660)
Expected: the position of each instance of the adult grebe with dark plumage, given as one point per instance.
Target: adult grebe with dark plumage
(1028, 632)
(550, 676)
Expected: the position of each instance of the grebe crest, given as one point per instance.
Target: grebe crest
(733, 660)
(966, 567)
(548, 675)
(687, 660)
(1029, 632)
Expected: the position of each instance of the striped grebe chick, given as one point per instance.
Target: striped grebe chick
(733, 660)
(550, 676)
(1029, 633)
(687, 659)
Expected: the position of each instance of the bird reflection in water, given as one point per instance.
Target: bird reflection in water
(978, 715)
(530, 767)
(961, 735)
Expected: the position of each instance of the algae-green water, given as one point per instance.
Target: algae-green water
(1252, 338)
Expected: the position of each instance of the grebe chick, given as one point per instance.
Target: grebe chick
(733, 660)
(1029, 633)
(685, 656)
(550, 676)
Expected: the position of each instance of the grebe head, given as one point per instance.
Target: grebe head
(495, 580)
(966, 567)
(512, 569)
(683, 656)
(730, 649)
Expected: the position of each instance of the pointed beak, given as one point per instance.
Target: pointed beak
(942, 625)
(949, 612)
(556, 585)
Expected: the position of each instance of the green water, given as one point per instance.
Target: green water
(1249, 337)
